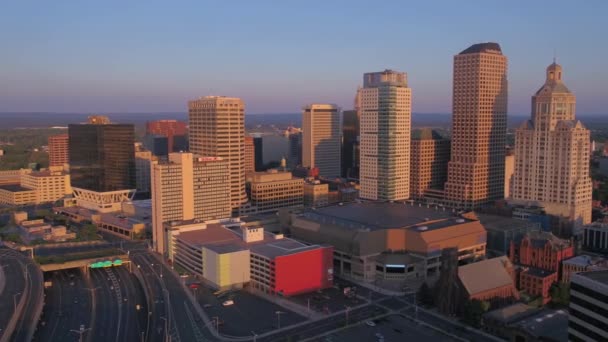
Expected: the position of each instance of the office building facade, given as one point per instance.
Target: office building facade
(385, 133)
(249, 155)
(102, 155)
(350, 138)
(429, 162)
(175, 131)
(321, 138)
(58, 150)
(479, 127)
(188, 187)
(216, 129)
(588, 307)
(271, 190)
(552, 155)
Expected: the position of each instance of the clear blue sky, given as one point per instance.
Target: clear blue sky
(152, 56)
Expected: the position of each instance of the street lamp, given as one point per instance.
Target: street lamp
(279, 313)
(255, 336)
(80, 331)
(166, 329)
(15, 302)
(346, 313)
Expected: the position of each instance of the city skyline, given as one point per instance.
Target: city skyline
(124, 61)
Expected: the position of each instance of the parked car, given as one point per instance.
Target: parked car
(228, 303)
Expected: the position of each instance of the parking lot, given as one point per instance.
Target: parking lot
(248, 315)
(387, 329)
(327, 301)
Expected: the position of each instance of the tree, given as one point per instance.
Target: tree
(560, 293)
(473, 312)
(87, 232)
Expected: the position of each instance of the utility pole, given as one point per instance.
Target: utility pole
(255, 336)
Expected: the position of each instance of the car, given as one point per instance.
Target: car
(228, 303)
(207, 305)
(75, 300)
(371, 324)
(194, 286)
(379, 335)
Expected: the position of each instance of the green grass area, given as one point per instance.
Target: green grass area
(60, 259)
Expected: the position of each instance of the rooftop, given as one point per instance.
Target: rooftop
(375, 215)
(121, 221)
(223, 240)
(14, 188)
(485, 275)
(538, 272)
(549, 324)
(504, 223)
(599, 276)
(482, 48)
(587, 261)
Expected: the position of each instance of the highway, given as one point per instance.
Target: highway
(183, 321)
(13, 285)
(28, 299)
(102, 301)
(67, 307)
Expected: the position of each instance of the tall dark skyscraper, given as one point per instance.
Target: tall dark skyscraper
(350, 135)
(295, 150)
(102, 155)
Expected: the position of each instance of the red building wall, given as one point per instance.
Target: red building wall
(546, 257)
(304, 272)
(537, 285)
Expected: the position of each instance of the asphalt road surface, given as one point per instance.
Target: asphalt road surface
(102, 301)
(24, 272)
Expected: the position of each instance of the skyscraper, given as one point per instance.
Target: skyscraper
(58, 150)
(249, 155)
(429, 162)
(552, 154)
(350, 137)
(321, 138)
(185, 188)
(294, 158)
(476, 170)
(216, 129)
(174, 130)
(385, 128)
(102, 155)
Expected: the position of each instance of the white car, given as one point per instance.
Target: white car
(228, 303)
(370, 323)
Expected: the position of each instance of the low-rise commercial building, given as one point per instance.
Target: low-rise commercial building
(537, 282)
(119, 225)
(32, 230)
(504, 230)
(588, 306)
(271, 190)
(491, 280)
(227, 258)
(541, 250)
(595, 236)
(315, 193)
(360, 232)
(520, 322)
(15, 194)
(582, 263)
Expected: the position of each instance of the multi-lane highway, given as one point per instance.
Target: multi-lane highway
(172, 305)
(23, 293)
(108, 304)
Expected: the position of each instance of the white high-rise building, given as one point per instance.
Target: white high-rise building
(552, 155)
(385, 131)
(322, 138)
(217, 129)
(185, 188)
